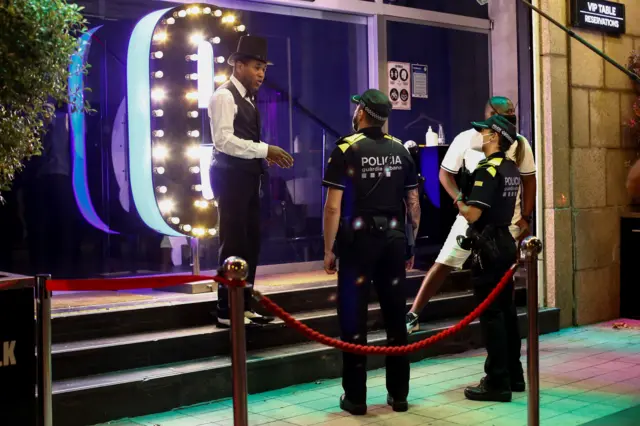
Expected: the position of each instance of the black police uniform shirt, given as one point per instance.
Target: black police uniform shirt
(357, 163)
(496, 182)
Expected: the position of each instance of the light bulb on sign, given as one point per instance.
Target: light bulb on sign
(195, 10)
(194, 169)
(158, 113)
(220, 59)
(157, 74)
(213, 232)
(193, 152)
(166, 206)
(158, 133)
(171, 21)
(196, 38)
(192, 96)
(157, 55)
(193, 133)
(162, 189)
(216, 40)
(193, 57)
(192, 114)
(186, 228)
(215, 203)
(220, 78)
(198, 232)
(160, 37)
(160, 152)
(206, 10)
(159, 170)
(192, 76)
(241, 28)
(197, 188)
(182, 13)
(158, 94)
(229, 19)
(217, 13)
(201, 204)
(175, 220)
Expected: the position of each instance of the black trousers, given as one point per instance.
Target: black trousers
(377, 259)
(499, 323)
(238, 195)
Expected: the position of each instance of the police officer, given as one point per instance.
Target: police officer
(489, 209)
(369, 176)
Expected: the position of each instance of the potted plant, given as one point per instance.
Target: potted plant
(37, 40)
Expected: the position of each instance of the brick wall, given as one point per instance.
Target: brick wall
(586, 152)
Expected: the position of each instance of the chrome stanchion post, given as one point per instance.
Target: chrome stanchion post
(195, 255)
(43, 318)
(236, 269)
(530, 249)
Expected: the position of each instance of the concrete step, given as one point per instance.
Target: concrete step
(127, 393)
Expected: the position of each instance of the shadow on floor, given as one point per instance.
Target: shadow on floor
(628, 417)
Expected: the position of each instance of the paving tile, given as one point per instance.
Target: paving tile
(566, 405)
(472, 417)
(254, 420)
(287, 412)
(266, 405)
(596, 411)
(567, 419)
(313, 418)
(439, 411)
(322, 403)
(407, 419)
(502, 410)
(171, 418)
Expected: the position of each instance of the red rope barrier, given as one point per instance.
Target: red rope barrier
(134, 283)
(383, 350)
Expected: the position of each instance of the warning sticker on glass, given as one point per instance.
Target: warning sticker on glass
(399, 84)
(420, 80)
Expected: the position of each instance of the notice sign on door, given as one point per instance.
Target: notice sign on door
(420, 81)
(399, 74)
(599, 15)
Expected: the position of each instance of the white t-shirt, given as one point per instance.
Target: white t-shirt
(460, 149)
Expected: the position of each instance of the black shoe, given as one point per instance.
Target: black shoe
(350, 407)
(250, 318)
(397, 405)
(412, 321)
(483, 392)
(518, 385)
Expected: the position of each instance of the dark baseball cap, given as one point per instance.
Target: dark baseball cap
(500, 125)
(375, 103)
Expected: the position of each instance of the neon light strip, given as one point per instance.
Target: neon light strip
(205, 74)
(78, 145)
(139, 110)
(205, 91)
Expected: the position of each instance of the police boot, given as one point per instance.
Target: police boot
(485, 392)
(352, 408)
(397, 405)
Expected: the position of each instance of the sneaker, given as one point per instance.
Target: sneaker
(397, 405)
(483, 392)
(412, 321)
(351, 408)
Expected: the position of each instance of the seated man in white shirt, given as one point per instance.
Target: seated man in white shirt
(458, 158)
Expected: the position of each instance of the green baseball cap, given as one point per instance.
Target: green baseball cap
(375, 103)
(498, 124)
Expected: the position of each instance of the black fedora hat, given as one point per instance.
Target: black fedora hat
(250, 47)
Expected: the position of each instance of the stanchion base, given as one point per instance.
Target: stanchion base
(198, 287)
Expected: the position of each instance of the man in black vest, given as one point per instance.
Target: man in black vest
(238, 165)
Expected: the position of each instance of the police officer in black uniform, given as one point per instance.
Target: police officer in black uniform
(488, 207)
(369, 176)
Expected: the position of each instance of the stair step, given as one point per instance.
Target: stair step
(95, 356)
(128, 393)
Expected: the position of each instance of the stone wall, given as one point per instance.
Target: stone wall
(586, 153)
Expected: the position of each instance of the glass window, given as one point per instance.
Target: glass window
(469, 8)
(72, 212)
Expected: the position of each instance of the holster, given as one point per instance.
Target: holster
(483, 245)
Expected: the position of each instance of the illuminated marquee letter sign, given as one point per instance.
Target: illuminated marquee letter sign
(603, 16)
(176, 59)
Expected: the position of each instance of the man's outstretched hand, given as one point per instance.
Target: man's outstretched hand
(278, 156)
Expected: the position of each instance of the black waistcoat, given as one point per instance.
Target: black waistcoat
(246, 125)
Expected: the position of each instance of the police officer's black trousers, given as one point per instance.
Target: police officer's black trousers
(238, 195)
(377, 258)
(499, 323)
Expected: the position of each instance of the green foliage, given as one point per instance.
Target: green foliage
(37, 40)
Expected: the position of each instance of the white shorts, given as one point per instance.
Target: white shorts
(451, 253)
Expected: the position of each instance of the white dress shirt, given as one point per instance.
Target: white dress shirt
(222, 113)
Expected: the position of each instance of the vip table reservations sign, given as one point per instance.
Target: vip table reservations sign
(17, 351)
(599, 15)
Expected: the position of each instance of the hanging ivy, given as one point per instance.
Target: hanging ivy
(37, 40)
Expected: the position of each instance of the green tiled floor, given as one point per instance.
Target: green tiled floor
(588, 374)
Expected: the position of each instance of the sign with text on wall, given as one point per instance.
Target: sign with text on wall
(399, 76)
(420, 81)
(598, 15)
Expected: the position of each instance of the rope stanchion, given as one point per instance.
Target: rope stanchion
(314, 335)
(134, 283)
